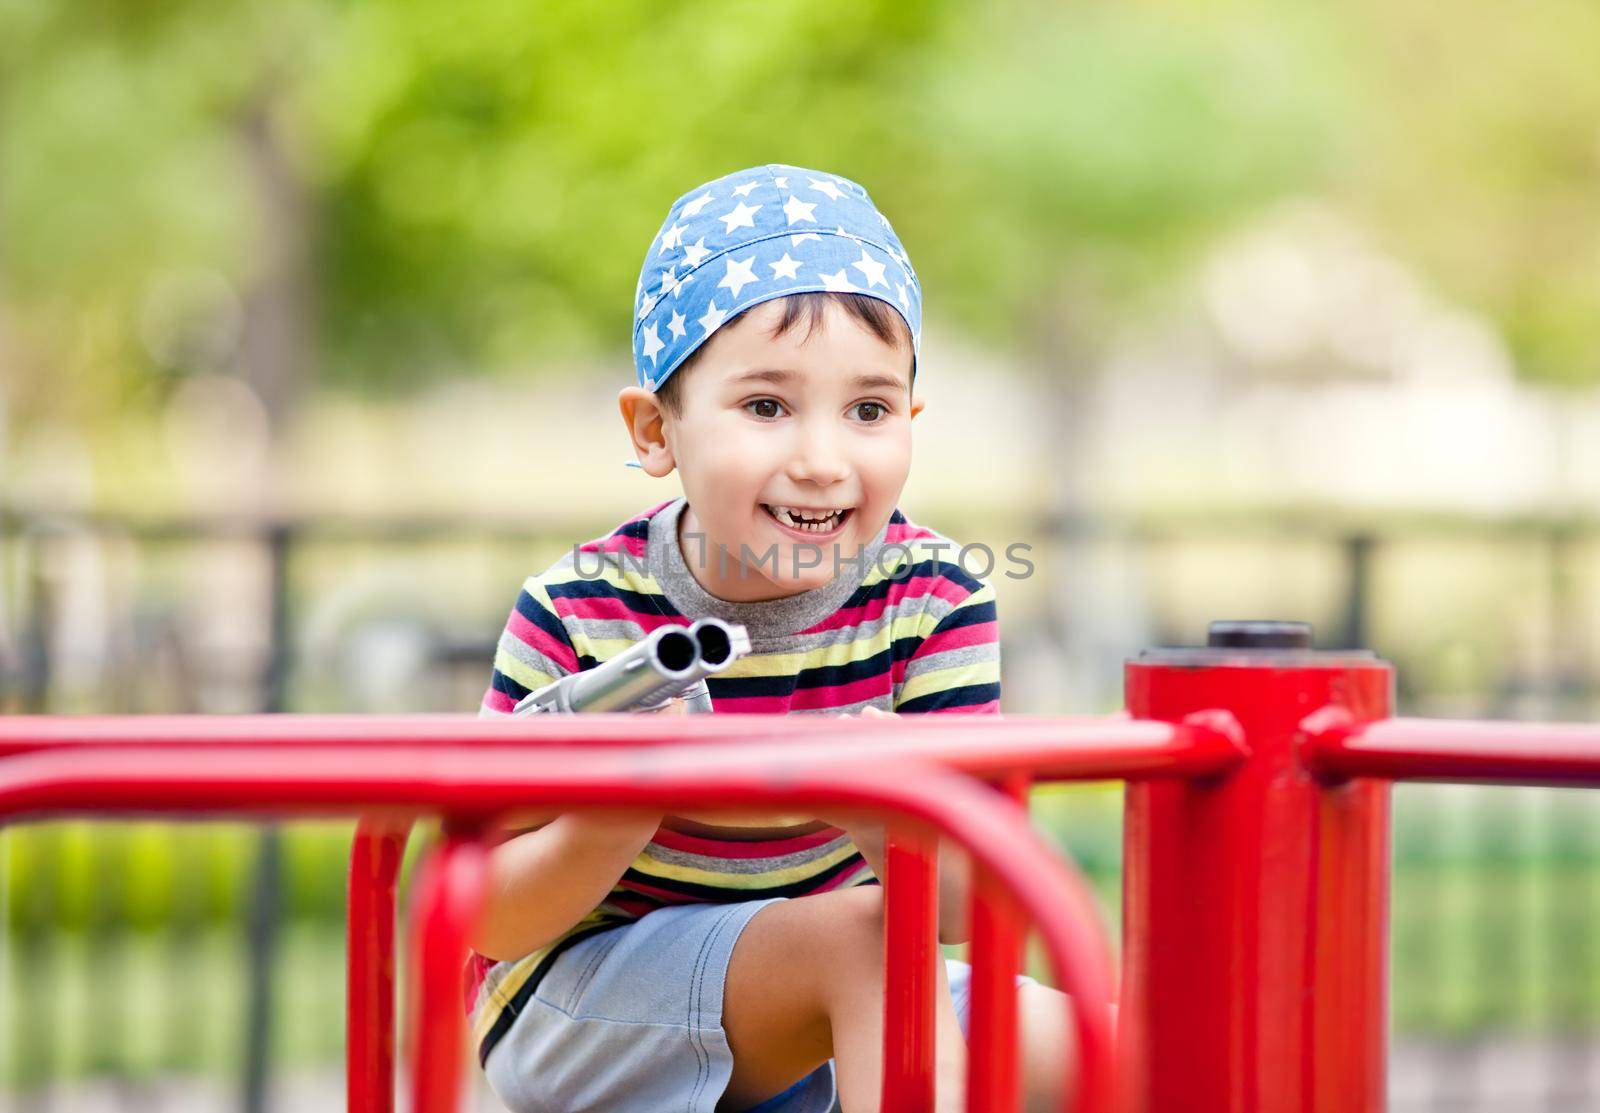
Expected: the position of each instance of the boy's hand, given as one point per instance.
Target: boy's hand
(870, 712)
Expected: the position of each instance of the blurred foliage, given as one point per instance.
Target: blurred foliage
(478, 182)
(79, 877)
(1481, 158)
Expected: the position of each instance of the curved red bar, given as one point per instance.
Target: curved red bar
(478, 783)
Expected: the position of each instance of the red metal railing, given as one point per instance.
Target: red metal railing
(1044, 747)
(392, 769)
(1556, 754)
(1256, 855)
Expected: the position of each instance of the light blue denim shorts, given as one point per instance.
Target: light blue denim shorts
(630, 1021)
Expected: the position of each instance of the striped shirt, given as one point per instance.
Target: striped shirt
(904, 629)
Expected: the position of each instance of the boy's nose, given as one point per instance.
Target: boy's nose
(818, 458)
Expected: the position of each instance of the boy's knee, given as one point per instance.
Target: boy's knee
(838, 932)
(854, 916)
(828, 946)
(850, 933)
(815, 926)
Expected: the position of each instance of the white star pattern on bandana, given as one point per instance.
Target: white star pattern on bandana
(838, 282)
(870, 269)
(785, 267)
(652, 344)
(740, 273)
(797, 210)
(669, 282)
(740, 216)
(752, 252)
(828, 188)
(694, 253)
(712, 320)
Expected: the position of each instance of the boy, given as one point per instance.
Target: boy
(735, 963)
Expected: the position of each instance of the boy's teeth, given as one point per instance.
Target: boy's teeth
(807, 522)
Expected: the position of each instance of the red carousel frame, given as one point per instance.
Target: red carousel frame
(1256, 857)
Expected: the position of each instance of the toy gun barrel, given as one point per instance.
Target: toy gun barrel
(721, 643)
(669, 661)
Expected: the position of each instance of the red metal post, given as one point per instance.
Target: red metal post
(375, 856)
(996, 936)
(1255, 916)
(449, 895)
(911, 948)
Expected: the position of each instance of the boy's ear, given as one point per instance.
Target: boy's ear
(917, 405)
(642, 414)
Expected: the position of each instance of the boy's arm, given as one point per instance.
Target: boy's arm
(542, 883)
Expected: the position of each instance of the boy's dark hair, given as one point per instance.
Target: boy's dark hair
(875, 314)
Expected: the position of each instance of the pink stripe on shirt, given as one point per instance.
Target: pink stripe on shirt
(899, 596)
(535, 637)
(743, 848)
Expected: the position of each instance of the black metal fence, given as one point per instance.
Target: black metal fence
(137, 953)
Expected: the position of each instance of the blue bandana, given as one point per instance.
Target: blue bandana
(755, 235)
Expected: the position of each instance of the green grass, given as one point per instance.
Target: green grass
(141, 1004)
(1478, 948)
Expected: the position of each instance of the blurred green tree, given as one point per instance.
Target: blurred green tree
(376, 194)
(1480, 157)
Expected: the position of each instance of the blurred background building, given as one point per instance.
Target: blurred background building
(313, 314)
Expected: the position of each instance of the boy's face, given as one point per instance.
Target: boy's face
(819, 424)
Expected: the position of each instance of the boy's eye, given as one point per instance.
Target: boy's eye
(869, 411)
(764, 407)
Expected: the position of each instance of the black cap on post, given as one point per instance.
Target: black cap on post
(1259, 635)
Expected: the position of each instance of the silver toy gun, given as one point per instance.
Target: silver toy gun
(670, 661)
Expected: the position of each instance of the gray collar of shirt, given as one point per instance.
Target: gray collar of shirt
(773, 618)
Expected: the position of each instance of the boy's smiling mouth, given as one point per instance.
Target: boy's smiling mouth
(809, 521)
